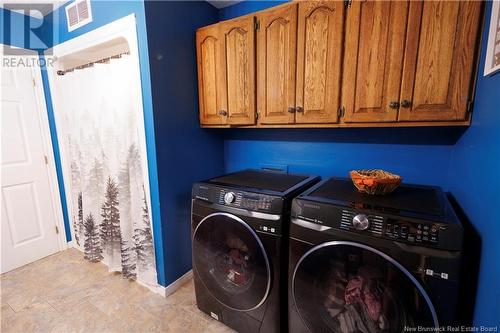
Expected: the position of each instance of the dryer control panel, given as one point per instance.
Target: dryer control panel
(256, 202)
(416, 231)
(390, 228)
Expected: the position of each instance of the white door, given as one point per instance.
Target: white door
(29, 220)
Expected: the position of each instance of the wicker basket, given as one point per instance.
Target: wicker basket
(375, 181)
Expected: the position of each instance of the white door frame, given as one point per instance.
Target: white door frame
(36, 74)
(124, 27)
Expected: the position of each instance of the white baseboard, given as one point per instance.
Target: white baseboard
(171, 288)
(70, 244)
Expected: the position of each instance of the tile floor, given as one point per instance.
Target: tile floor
(64, 293)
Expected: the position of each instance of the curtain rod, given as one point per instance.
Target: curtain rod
(91, 64)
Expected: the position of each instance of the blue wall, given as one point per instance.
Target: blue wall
(105, 12)
(464, 161)
(246, 7)
(419, 155)
(475, 183)
(186, 153)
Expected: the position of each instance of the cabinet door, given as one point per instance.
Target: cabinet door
(439, 60)
(276, 63)
(375, 37)
(319, 50)
(238, 57)
(209, 75)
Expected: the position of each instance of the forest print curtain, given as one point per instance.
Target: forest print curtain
(102, 130)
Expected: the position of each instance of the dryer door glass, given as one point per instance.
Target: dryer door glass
(350, 287)
(230, 260)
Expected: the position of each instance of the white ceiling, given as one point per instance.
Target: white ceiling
(45, 6)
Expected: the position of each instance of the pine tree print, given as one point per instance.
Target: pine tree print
(129, 267)
(78, 221)
(80, 218)
(110, 225)
(76, 231)
(93, 250)
(95, 186)
(143, 238)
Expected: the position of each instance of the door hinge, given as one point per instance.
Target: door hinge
(347, 3)
(46, 159)
(57, 229)
(34, 82)
(341, 111)
(256, 24)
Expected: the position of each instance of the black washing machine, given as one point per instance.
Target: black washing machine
(364, 263)
(240, 242)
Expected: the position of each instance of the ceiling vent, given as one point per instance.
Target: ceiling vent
(78, 13)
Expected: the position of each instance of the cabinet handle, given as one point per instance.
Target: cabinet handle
(223, 113)
(394, 105)
(299, 109)
(291, 109)
(406, 104)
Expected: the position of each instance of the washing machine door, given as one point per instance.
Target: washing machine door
(231, 261)
(343, 286)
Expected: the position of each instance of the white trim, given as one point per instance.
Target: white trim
(71, 244)
(49, 152)
(174, 286)
(157, 289)
(95, 37)
(123, 27)
(488, 63)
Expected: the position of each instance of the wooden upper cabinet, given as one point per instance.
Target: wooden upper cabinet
(373, 60)
(276, 60)
(238, 59)
(439, 60)
(210, 82)
(384, 63)
(319, 54)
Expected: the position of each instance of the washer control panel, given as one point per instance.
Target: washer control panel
(230, 197)
(412, 232)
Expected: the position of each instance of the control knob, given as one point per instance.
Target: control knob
(360, 222)
(229, 197)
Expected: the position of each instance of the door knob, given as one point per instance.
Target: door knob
(299, 109)
(394, 105)
(223, 113)
(291, 109)
(406, 104)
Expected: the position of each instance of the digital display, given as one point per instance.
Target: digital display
(411, 231)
